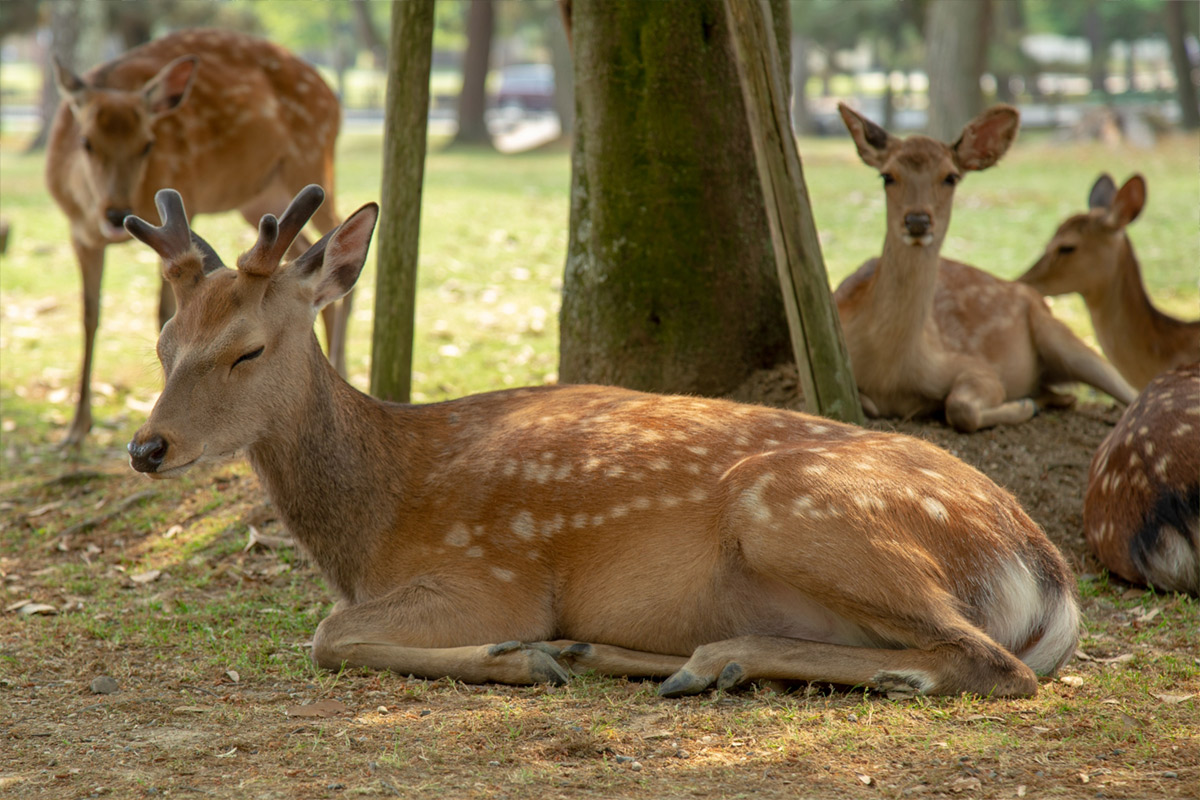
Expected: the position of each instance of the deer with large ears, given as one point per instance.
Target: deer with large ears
(230, 121)
(927, 334)
(1091, 254)
(513, 536)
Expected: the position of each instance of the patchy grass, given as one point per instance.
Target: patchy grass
(206, 640)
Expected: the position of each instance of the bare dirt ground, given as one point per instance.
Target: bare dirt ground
(214, 697)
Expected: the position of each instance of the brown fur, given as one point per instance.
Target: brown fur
(927, 334)
(514, 535)
(230, 121)
(1141, 513)
(1091, 254)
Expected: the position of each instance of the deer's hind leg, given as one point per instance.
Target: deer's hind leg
(977, 400)
(1067, 358)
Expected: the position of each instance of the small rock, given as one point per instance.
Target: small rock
(636, 766)
(104, 685)
(1170, 774)
(623, 759)
(493, 763)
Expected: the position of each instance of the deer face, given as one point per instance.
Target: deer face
(116, 135)
(239, 357)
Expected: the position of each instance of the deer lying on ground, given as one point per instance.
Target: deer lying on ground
(228, 120)
(1141, 513)
(1091, 254)
(925, 333)
(511, 536)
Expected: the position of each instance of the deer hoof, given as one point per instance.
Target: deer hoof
(504, 647)
(544, 669)
(682, 683)
(731, 676)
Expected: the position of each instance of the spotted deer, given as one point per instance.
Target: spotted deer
(928, 334)
(1141, 512)
(230, 121)
(1091, 254)
(514, 536)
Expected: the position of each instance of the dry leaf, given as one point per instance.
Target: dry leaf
(228, 754)
(1083, 777)
(966, 785)
(321, 708)
(192, 709)
(1121, 659)
(1021, 790)
(44, 509)
(146, 577)
(1174, 699)
(29, 609)
(866, 780)
(1146, 617)
(233, 675)
(173, 531)
(1071, 680)
(14, 606)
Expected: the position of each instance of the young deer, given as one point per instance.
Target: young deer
(229, 120)
(510, 536)
(926, 333)
(1091, 254)
(1141, 513)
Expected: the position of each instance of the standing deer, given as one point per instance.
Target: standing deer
(1091, 254)
(510, 536)
(1141, 513)
(229, 120)
(925, 333)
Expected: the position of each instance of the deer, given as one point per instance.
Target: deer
(523, 535)
(928, 334)
(1091, 254)
(1141, 510)
(230, 121)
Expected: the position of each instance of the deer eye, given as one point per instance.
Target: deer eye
(146, 150)
(1066, 249)
(951, 179)
(888, 178)
(87, 143)
(253, 354)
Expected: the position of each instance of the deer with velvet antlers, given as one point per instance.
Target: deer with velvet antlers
(518, 535)
(230, 121)
(928, 334)
(1091, 254)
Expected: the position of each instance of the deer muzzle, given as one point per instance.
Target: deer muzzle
(149, 455)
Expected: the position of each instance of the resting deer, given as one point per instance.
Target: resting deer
(1141, 513)
(511, 536)
(228, 120)
(1091, 254)
(925, 333)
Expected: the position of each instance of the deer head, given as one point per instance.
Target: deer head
(237, 352)
(116, 133)
(918, 207)
(1084, 253)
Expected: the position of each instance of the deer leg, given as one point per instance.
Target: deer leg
(969, 662)
(976, 401)
(607, 659)
(91, 265)
(1067, 358)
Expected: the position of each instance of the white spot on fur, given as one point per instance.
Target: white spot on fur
(615, 471)
(659, 464)
(818, 428)
(592, 464)
(698, 450)
(697, 495)
(553, 526)
(619, 511)
(937, 476)
(510, 468)
(670, 501)
(523, 525)
(475, 552)
(815, 469)
(868, 502)
(579, 520)
(1183, 430)
(935, 509)
(640, 503)
(753, 500)
(694, 469)
(1161, 467)
(458, 535)
(503, 574)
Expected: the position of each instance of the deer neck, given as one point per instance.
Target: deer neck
(332, 469)
(1121, 305)
(905, 284)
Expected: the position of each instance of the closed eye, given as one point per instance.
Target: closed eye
(951, 179)
(253, 354)
(1066, 249)
(888, 178)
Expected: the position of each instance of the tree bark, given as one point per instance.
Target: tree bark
(670, 281)
(956, 41)
(396, 243)
(559, 38)
(472, 99)
(1093, 29)
(64, 43)
(822, 361)
(1185, 71)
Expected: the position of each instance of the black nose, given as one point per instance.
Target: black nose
(149, 455)
(116, 216)
(917, 224)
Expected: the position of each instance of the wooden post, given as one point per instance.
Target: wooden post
(409, 62)
(821, 357)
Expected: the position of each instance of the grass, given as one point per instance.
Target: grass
(492, 248)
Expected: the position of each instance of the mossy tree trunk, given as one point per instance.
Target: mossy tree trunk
(670, 282)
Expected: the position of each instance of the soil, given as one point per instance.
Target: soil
(163, 732)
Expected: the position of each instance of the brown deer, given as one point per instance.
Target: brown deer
(925, 333)
(1091, 254)
(1141, 513)
(511, 536)
(229, 120)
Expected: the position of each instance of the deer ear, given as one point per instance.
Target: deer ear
(872, 141)
(1103, 191)
(70, 85)
(332, 265)
(168, 90)
(1128, 203)
(986, 138)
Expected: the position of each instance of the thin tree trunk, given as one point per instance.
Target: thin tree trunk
(1186, 73)
(411, 53)
(368, 35)
(956, 37)
(472, 100)
(1093, 29)
(65, 26)
(558, 35)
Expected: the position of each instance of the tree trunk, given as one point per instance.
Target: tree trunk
(365, 31)
(472, 99)
(670, 281)
(956, 37)
(564, 78)
(1185, 71)
(802, 120)
(1093, 29)
(407, 118)
(64, 43)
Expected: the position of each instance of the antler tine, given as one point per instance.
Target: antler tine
(276, 236)
(173, 238)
